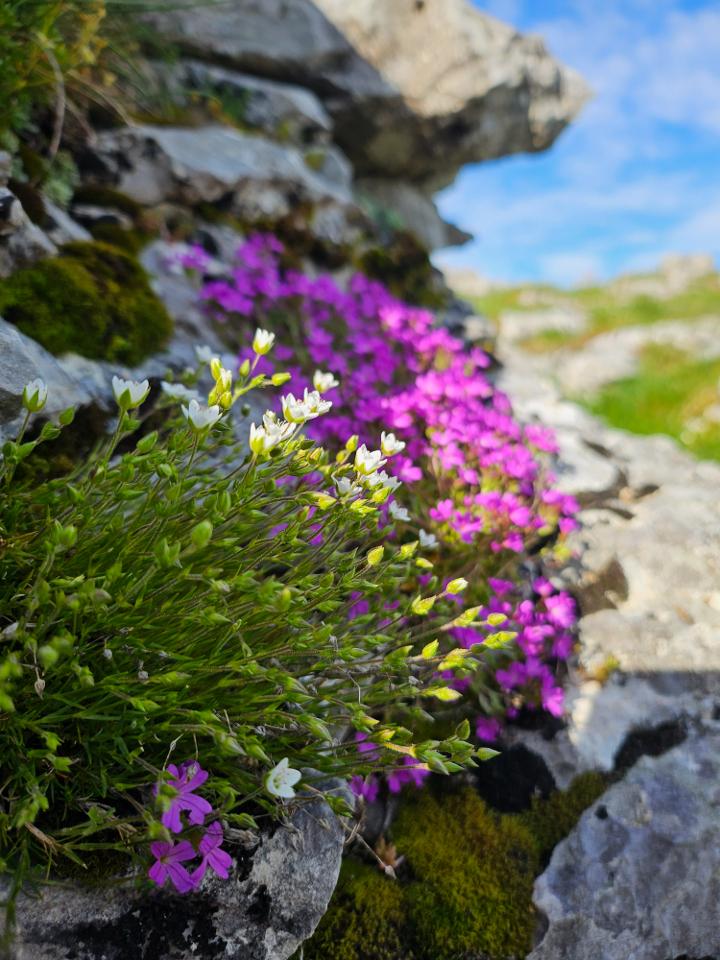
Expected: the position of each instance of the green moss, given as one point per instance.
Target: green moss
(465, 891)
(93, 299)
(131, 241)
(107, 197)
(404, 266)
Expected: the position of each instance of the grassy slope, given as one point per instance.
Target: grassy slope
(670, 391)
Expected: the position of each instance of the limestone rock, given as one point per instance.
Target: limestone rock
(471, 88)
(255, 178)
(288, 40)
(640, 875)
(282, 110)
(413, 209)
(21, 241)
(273, 900)
(22, 360)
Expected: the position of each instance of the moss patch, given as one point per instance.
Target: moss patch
(405, 268)
(465, 890)
(93, 299)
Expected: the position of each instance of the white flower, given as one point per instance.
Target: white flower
(315, 406)
(281, 780)
(262, 440)
(34, 395)
(428, 540)
(368, 461)
(399, 513)
(297, 410)
(280, 428)
(204, 354)
(178, 391)
(263, 341)
(346, 488)
(324, 381)
(200, 417)
(389, 444)
(293, 410)
(129, 393)
(382, 479)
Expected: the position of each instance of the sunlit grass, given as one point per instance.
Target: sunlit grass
(670, 391)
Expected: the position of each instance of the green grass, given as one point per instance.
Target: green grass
(669, 391)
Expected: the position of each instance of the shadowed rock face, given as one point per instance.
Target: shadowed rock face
(638, 876)
(471, 88)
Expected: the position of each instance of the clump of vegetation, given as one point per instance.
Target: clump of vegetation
(180, 632)
(404, 266)
(45, 45)
(465, 887)
(93, 299)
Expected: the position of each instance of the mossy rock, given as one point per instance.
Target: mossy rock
(93, 299)
(98, 196)
(465, 889)
(404, 266)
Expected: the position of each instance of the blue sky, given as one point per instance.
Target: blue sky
(636, 176)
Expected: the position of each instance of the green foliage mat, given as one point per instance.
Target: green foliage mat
(93, 299)
(465, 889)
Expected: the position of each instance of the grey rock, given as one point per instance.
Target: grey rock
(21, 241)
(639, 877)
(5, 167)
(261, 179)
(61, 227)
(283, 110)
(289, 40)
(470, 88)
(518, 324)
(412, 209)
(273, 900)
(90, 215)
(22, 360)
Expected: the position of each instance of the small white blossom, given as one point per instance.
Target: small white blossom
(280, 428)
(382, 479)
(346, 488)
(390, 445)
(312, 405)
(129, 393)
(428, 540)
(263, 341)
(200, 417)
(204, 353)
(368, 461)
(399, 513)
(178, 391)
(324, 381)
(262, 440)
(34, 395)
(281, 780)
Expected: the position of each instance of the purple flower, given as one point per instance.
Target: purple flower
(184, 781)
(169, 864)
(366, 788)
(212, 856)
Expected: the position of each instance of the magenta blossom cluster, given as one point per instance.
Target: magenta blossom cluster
(172, 859)
(474, 476)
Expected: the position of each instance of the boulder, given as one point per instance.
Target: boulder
(640, 874)
(278, 889)
(253, 178)
(470, 88)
